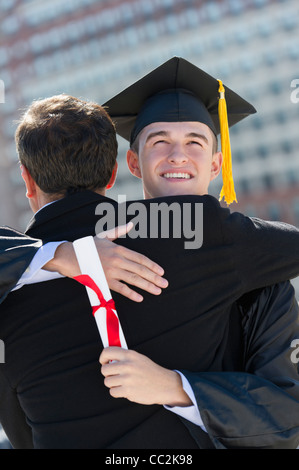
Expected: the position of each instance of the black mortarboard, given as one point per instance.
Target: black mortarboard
(179, 91)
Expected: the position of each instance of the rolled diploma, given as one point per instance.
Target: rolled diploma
(90, 264)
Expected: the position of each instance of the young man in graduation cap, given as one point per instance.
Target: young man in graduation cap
(171, 118)
(201, 327)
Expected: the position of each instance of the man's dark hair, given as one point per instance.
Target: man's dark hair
(67, 144)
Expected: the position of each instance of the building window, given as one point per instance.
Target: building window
(248, 63)
(292, 178)
(262, 151)
(212, 11)
(265, 28)
(287, 146)
(10, 25)
(260, 3)
(167, 4)
(289, 21)
(171, 24)
(270, 58)
(257, 122)
(239, 156)
(274, 210)
(296, 210)
(268, 182)
(236, 6)
(218, 42)
(275, 87)
(293, 50)
(127, 13)
(3, 56)
(6, 5)
(281, 117)
(151, 30)
(243, 186)
(242, 35)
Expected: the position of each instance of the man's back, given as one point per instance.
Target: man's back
(52, 350)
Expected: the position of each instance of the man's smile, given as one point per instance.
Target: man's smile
(177, 175)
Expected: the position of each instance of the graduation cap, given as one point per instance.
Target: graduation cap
(178, 91)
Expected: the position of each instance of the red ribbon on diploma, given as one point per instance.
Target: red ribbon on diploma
(112, 321)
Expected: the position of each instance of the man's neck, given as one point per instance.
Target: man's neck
(42, 199)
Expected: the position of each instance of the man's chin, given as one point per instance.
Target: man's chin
(179, 191)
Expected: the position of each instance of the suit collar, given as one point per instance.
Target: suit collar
(66, 205)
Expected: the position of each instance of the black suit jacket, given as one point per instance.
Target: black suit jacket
(51, 379)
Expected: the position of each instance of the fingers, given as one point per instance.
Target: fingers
(150, 283)
(121, 252)
(113, 353)
(131, 375)
(137, 275)
(123, 266)
(110, 359)
(126, 291)
(141, 263)
(140, 260)
(116, 232)
(121, 230)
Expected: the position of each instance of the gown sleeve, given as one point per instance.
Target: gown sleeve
(258, 406)
(16, 253)
(264, 252)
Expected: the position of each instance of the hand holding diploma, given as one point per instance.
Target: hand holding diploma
(131, 375)
(123, 267)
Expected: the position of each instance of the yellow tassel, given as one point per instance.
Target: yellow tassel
(228, 190)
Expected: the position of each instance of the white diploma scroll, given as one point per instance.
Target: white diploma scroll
(90, 264)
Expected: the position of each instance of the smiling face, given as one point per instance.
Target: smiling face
(175, 158)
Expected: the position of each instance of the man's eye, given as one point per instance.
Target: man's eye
(195, 142)
(160, 142)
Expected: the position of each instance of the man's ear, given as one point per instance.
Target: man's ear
(29, 182)
(133, 163)
(216, 165)
(113, 177)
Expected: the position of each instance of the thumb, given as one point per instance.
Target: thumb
(116, 232)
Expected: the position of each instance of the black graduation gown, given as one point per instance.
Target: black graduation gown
(16, 253)
(54, 343)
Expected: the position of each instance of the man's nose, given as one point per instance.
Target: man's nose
(177, 156)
